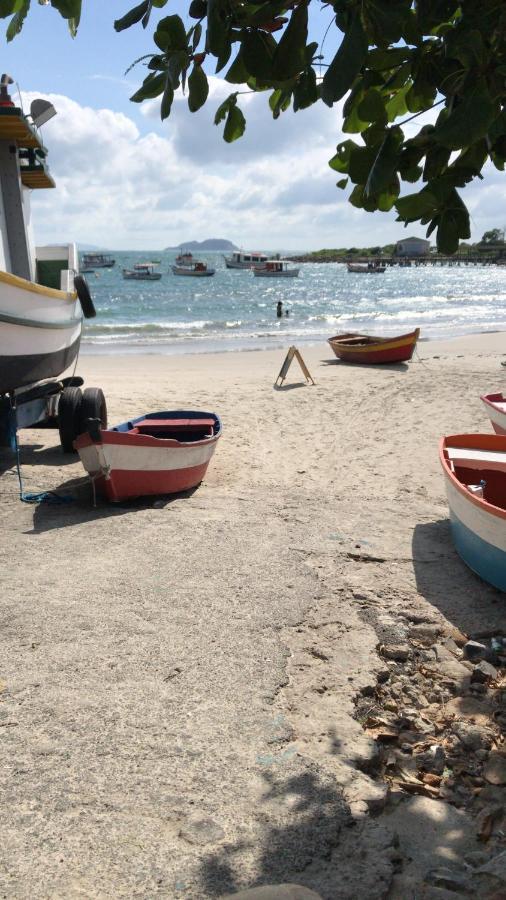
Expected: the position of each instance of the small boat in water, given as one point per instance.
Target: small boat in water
(474, 467)
(495, 404)
(184, 258)
(366, 268)
(275, 268)
(242, 259)
(196, 268)
(366, 348)
(142, 272)
(97, 261)
(158, 453)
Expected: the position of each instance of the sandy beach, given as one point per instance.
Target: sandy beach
(178, 678)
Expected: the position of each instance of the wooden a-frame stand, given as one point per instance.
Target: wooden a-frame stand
(293, 352)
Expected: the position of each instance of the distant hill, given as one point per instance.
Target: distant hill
(210, 244)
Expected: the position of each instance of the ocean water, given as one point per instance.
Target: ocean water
(233, 310)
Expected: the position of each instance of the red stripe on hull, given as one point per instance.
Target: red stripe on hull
(397, 354)
(124, 484)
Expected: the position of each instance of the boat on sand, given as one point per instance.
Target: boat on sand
(474, 467)
(367, 348)
(157, 453)
(495, 405)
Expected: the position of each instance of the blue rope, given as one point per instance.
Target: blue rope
(42, 496)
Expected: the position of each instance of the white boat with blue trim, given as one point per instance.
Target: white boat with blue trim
(474, 467)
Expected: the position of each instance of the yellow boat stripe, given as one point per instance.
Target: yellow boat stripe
(25, 285)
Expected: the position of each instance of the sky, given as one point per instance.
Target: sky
(126, 180)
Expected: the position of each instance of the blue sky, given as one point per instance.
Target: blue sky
(127, 180)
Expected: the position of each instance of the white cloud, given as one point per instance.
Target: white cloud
(118, 187)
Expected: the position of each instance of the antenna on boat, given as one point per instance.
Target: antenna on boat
(41, 111)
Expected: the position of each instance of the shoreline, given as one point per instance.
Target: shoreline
(482, 341)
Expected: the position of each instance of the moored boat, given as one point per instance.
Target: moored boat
(158, 453)
(97, 261)
(142, 272)
(184, 258)
(474, 467)
(495, 405)
(366, 268)
(197, 268)
(245, 259)
(366, 348)
(275, 268)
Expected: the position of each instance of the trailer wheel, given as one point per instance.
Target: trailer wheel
(69, 413)
(83, 293)
(93, 406)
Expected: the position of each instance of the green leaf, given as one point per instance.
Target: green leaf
(385, 163)
(171, 34)
(16, 23)
(342, 183)
(131, 17)
(177, 64)
(414, 206)
(198, 9)
(305, 92)
(372, 108)
(218, 39)
(196, 36)
(223, 109)
(341, 161)
(8, 7)
(151, 87)
(346, 64)
(198, 88)
(290, 55)
(469, 121)
(257, 54)
(279, 101)
(235, 125)
(167, 98)
(237, 74)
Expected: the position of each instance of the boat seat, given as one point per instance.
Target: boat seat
(477, 459)
(174, 425)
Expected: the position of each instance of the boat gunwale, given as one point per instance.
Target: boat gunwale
(479, 502)
(32, 286)
(375, 343)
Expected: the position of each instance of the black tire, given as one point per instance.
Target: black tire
(69, 417)
(83, 293)
(93, 406)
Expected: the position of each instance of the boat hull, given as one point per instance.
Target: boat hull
(358, 269)
(495, 405)
(391, 350)
(266, 273)
(478, 527)
(194, 273)
(125, 465)
(40, 331)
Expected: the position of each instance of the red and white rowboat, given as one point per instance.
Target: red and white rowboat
(159, 453)
(365, 348)
(495, 404)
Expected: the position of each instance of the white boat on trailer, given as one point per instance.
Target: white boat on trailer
(244, 259)
(276, 268)
(42, 296)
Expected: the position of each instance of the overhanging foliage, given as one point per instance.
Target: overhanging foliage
(397, 59)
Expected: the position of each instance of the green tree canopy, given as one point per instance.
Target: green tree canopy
(397, 59)
(494, 236)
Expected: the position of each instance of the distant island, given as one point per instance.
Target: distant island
(210, 244)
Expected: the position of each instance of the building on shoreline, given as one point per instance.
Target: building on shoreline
(411, 247)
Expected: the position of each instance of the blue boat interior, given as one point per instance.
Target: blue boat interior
(186, 426)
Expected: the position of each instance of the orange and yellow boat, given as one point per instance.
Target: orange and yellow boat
(368, 349)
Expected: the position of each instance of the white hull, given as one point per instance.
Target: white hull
(38, 328)
(194, 273)
(286, 273)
